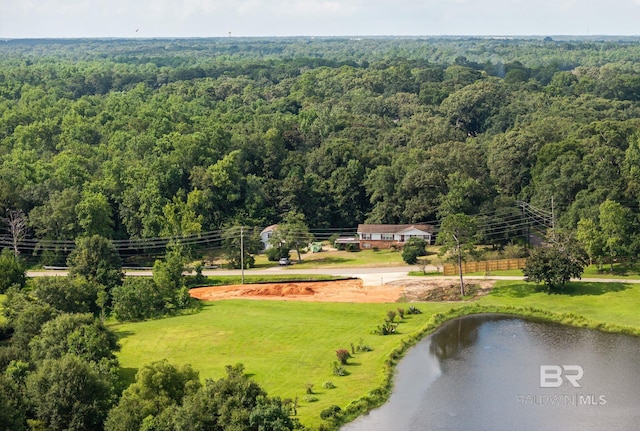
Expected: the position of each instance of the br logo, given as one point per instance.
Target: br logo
(552, 376)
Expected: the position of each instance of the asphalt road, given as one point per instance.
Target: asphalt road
(370, 276)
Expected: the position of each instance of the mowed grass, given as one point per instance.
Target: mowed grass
(285, 345)
(282, 344)
(339, 259)
(614, 303)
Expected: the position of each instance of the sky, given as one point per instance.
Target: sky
(242, 18)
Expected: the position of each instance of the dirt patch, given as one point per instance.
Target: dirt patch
(442, 290)
(351, 290)
(281, 290)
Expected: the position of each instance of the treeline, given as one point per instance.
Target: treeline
(151, 138)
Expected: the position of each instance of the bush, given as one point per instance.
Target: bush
(401, 313)
(308, 388)
(387, 328)
(338, 370)
(12, 269)
(310, 398)
(413, 310)
(391, 316)
(343, 356)
(137, 299)
(328, 385)
(413, 249)
(363, 347)
(330, 412)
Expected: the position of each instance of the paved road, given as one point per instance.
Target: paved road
(370, 276)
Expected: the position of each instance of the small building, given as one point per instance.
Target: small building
(266, 234)
(392, 235)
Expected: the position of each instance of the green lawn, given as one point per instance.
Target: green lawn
(219, 280)
(339, 259)
(615, 303)
(284, 345)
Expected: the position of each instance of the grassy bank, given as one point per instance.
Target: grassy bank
(285, 345)
(219, 280)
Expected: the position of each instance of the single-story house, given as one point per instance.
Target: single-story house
(266, 234)
(392, 235)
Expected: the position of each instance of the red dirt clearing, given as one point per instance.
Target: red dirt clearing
(321, 291)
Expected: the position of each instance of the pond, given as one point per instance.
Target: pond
(496, 372)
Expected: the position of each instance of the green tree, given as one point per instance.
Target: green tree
(168, 273)
(69, 295)
(250, 244)
(158, 386)
(591, 238)
(12, 270)
(413, 249)
(458, 236)
(12, 406)
(26, 317)
(67, 394)
(94, 215)
(96, 259)
(79, 334)
(293, 232)
(614, 224)
(222, 404)
(555, 264)
(140, 298)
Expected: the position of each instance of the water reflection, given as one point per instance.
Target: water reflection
(483, 372)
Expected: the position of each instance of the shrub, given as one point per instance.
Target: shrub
(387, 328)
(363, 347)
(338, 370)
(413, 249)
(401, 313)
(391, 316)
(328, 385)
(343, 356)
(273, 254)
(308, 388)
(330, 412)
(310, 398)
(413, 310)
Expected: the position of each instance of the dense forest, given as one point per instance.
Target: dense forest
(135, 139)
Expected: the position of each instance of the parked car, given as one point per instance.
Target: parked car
(284, 261)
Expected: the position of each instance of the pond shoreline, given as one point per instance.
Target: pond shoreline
(380, 395)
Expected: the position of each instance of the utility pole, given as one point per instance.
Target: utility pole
(242, 252)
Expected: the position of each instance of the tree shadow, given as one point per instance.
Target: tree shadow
(592, 288)
(128, 375)
(123, 334)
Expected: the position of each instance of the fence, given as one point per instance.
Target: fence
(484, 266)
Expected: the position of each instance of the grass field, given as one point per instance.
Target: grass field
(340, 259)
(285, 345)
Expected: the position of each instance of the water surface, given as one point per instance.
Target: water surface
(483, 373)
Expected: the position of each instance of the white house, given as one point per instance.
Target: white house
(266, 234)
(388, 235)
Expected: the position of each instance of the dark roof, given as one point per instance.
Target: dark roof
(393, 228)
